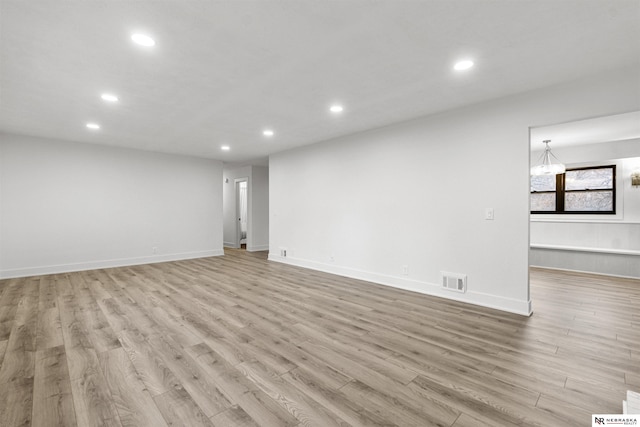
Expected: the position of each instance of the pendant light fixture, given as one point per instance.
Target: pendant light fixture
(547, 167)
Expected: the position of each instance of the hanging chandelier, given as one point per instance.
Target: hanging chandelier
(546, 166)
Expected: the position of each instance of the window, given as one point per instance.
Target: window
(577, 191)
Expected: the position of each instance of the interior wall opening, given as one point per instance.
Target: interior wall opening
(595, 228)
(242, 213)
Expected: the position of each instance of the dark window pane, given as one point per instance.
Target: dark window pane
(543, 201)
(600, 201)
(543, 183)
(589, 179)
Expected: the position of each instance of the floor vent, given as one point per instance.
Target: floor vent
(454, 281)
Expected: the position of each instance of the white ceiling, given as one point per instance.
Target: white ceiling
(616, 127)
(222, 71)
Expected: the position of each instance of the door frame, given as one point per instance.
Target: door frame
(237, 217)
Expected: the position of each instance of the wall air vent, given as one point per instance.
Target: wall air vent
(454, 281)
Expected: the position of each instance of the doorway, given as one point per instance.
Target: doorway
(245, 208)
(589, 230)
(242, 212)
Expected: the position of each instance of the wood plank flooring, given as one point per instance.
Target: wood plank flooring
(239, 341)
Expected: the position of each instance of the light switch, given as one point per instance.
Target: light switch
(488, 214)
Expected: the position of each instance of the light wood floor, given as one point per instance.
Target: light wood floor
(239, 341)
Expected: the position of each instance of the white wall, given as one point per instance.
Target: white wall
(258, 206)
(259, 209)
(67, 206)
(607, 244)
(415, 194)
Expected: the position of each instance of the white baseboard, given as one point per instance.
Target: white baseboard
(93, 265)
(510, 305)
(229, 245)
(594, 273)
(586, 249)
(258, 248)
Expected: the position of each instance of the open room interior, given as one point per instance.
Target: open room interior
(239, 340)
(307, 213)
(601, 242)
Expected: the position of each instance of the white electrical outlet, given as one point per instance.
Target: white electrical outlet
(155, 249)
(405, 270)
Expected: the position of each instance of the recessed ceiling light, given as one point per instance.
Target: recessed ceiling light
(225, 148)
(268, 132)
(93, 126)
(463, 65)
(336, 108)
(109, 97)
(143, 39)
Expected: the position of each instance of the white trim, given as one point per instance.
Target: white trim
(92, 265)
(534, 218)
(585, 249)
(258, 248)
(229, 245)
(470, 297)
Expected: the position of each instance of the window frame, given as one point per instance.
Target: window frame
(560, 192)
